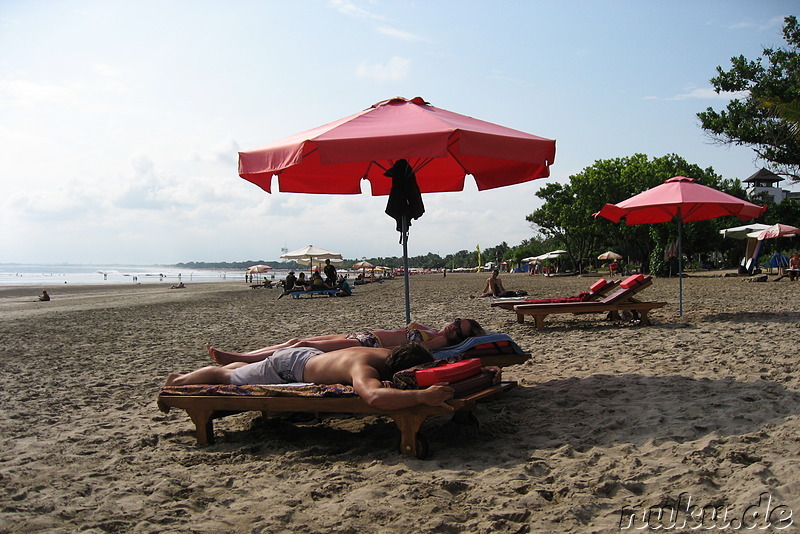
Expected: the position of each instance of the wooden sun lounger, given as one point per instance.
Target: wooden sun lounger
(508, 304)
(203, 409)
(622, 299)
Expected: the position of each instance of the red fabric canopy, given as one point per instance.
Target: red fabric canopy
(679, 198)
(442, 147)
(776, 230)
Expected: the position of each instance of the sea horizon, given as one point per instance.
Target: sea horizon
(115, 273)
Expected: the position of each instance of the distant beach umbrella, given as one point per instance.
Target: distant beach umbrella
(253, 269)
(776, 230)
(609, 256)
(310, 253)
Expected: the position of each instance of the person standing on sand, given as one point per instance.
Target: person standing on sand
(330, 274)
(430, 338)
(362, 367)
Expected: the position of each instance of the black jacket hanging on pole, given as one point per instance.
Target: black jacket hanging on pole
(405, 197)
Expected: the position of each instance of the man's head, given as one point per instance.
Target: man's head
(495, 273)
(406, 356)
(461, 329)
(327, 262)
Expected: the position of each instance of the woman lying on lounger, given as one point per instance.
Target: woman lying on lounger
(432, 339)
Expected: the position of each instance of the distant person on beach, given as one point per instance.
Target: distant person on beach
(494, 287)
(288, 284)
(178, 286)
(794, 264)
(301, 282)
(344, 288)
(317, 283)
(330, 273)
(362, 367)
(432, 339)
(44, 297)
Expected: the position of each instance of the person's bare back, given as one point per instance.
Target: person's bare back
(340, 366)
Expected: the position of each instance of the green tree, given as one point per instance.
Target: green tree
(766, 118)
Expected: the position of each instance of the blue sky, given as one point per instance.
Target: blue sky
(120, 121)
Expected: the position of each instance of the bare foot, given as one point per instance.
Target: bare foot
(224, 358)
(212, 352)
(172, 378)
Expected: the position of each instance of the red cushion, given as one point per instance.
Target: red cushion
(633, 280)
(600, 284)
(450, 372)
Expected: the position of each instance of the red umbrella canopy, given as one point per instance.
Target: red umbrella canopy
(776, 230)
(442, 147)
(679, 198)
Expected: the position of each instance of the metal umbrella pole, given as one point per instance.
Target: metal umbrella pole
(680, 268)
(405, 268)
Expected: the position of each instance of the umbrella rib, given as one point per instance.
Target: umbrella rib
(452, 142)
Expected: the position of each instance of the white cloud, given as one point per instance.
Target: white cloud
(395, 69)
(701, 93)
(399, 34)
(351, 9)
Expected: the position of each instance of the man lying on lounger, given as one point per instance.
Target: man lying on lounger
(362, 367)
(433, 339)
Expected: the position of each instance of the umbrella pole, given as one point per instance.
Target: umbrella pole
(680, 269)
(405, 267)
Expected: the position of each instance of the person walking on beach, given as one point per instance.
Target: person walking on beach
(430, 338)
(362, 367)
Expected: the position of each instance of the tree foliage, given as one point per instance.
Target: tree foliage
(766, 118)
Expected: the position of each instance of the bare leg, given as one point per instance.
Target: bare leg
(224, 358)
(339, 341)
(206, 375)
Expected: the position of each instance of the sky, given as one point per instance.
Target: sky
(121, 121)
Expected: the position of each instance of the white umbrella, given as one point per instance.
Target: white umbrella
(740, 232)
(309, 253)
(609, 256)
(258, 269)
(550, 255)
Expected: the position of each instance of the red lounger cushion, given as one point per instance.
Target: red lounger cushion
(450, 372)
(600, 284)
(632, 281)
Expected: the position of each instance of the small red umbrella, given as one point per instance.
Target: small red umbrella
(404, 148)
(679, 199)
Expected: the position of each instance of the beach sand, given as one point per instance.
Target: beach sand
(610, 419)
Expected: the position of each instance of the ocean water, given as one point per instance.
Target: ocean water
(48, 275)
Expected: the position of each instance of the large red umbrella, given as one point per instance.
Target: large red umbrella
(404, 148)
(442, 147)
(679, 199)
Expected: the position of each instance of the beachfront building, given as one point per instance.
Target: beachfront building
(767, 182)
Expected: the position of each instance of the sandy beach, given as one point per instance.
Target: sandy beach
(610, 419)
